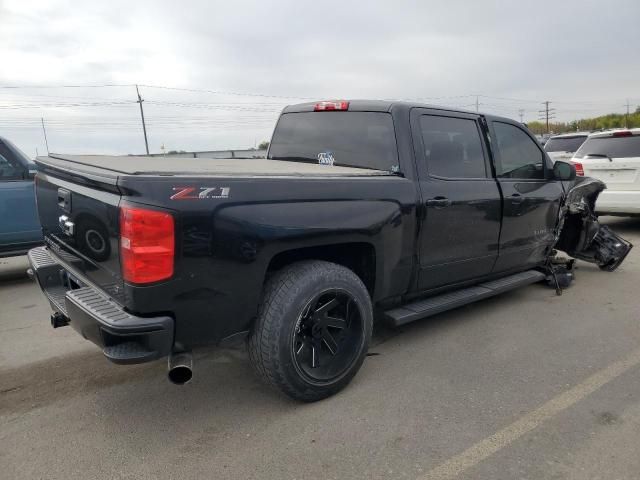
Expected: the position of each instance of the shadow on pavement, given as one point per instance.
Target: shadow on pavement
(622, 225)
(13, 269)
(220, 375)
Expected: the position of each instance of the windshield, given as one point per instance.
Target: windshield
(353, 139)
(19, 153)
(614, 147)
(564, 144)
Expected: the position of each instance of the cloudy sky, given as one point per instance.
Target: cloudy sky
(214, 75)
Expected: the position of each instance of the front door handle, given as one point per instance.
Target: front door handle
(438, 202)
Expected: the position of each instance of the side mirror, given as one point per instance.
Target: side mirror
(564, 171)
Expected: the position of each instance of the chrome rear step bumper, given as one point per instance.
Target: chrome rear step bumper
(123, 337)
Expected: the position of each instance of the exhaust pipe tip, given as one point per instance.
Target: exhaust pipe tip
(180, 368)
(180, 375)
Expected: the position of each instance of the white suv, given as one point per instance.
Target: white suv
(563, 146)
(614, 158)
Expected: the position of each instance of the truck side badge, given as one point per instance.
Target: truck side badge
(199, 193)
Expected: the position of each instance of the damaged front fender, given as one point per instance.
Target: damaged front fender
(580, 234)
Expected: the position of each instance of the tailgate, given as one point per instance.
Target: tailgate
(617, 173)
(79, 216)
(613, 158)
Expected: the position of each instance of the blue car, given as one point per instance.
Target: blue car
(19, 224)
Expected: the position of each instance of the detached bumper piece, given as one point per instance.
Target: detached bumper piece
(607, 250)
(610, 249)
(581, 235)
(123, 337)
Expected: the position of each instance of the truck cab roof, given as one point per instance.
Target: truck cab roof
(378, 106)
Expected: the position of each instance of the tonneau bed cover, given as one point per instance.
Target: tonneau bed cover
(106, 165)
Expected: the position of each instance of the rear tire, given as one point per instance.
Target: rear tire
(313, 329)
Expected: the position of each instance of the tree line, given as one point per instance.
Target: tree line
(612, 120)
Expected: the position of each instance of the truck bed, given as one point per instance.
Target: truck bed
(114, 166)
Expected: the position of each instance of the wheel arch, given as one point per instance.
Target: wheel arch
(359, 257)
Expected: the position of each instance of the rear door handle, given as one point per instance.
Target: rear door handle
(438, 202)
(516, 198)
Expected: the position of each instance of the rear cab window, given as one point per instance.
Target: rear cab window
(344, 138)
(611, 146)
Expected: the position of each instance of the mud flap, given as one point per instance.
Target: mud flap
(580, 234)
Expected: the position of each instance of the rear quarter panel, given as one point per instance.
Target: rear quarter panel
(225, 245)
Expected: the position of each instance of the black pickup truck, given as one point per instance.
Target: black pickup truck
(361, 209)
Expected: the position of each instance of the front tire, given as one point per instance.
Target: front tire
(313, 329)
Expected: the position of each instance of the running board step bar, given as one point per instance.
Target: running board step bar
(447, 301)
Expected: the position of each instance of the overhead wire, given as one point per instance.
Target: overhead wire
(250, 111)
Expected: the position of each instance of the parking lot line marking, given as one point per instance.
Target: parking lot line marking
(482, 450)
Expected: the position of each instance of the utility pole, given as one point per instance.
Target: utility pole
(626, 118)
(477, 104)
(44, 130)
(144, 126)
(521, 113)
(547, 114)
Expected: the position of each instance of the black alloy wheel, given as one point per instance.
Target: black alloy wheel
(327, 336)
(313, 329)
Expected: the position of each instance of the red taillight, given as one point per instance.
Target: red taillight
(147, 245)
(335, 105)
(624, 133)
(579, 169)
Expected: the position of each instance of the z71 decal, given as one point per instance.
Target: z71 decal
(199, 193)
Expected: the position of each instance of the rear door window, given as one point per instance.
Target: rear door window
(564, 144)
(452, 147)
(353, 139)
(614, 147)
(519, 155)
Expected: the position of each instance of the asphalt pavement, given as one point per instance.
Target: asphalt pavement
(527, 385)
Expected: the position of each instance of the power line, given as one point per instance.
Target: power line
(163, 87)
(215, 106)
(510, 99)
(421, 99)
(75, 97)
(20, 106)
(106, 85)
(220, 92)
(264, 95)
